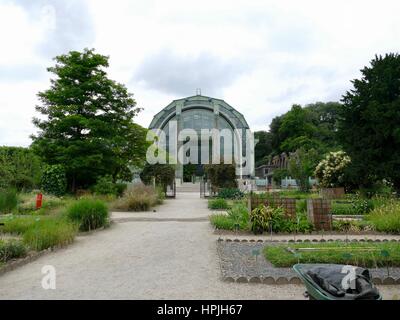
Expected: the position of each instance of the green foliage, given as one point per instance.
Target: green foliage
(262, 217)
(280, 174)
(310, 127)
(54, 180)
(18, 225)
(355, 205)
(189, 170)
(230, 193)
(221, 175)
(20, 168)
(120, 188)
(301, 166)
(139, 198)
(88, 122)
(89, 214)
(40, 232)
(11, 249)
(263, 147)
(105, 186)
(222, 222)
(217, 204)
(297, 194)
(386, 218)
(8, 200)
(48, 233)
(164, 174)
(237, 216)
(369, 123)
(301, 205)
(361, 254)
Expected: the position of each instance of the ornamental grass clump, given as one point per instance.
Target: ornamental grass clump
(218, 204)
(11, 250)
(386, 218)
(49, 233)
(89, 214)
(139, 198)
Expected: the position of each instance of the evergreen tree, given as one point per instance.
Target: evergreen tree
(88, 121)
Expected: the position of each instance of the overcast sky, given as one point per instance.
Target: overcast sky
(259, 56)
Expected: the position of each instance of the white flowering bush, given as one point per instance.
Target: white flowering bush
(330, 171)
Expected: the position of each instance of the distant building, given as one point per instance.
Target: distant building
(265, 172)
(200, 112)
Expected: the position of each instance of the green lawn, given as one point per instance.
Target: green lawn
(362, 254)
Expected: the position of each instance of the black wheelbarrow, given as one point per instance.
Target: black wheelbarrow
(337, 282)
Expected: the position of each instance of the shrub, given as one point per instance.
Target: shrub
(239, 213)
(11, 250)
(330, 171)
(89, 214)
(217, 204)
(270, 218)
(8, 200)
(230, 193)
(139, 198)
(54, 180)
(120, 189)
(20, 168)
(105, 186)
(261, 218)
(221, 175)
(48, 233)
(386, 218)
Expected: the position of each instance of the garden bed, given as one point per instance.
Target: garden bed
(356, 253)
(245, 262)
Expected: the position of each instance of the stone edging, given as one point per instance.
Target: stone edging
(13, 264)
(32, 256)
(296, 280)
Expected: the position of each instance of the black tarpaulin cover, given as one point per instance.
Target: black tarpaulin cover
(329, 278)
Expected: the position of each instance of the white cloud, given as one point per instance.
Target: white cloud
(260, 56)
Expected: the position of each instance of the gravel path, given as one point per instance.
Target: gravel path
(173, 256)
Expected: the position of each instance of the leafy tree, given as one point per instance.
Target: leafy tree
(164, 174)
(280, 174)
(20, 168)
(88, 126)
(369, 123)
(311, 127)
(221, 175)
(263, 147)
(301, 166)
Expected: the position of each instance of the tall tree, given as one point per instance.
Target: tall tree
(263, 147)
(369, 122)
(88, 120)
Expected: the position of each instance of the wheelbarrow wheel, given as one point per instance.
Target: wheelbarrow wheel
(307, 295)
